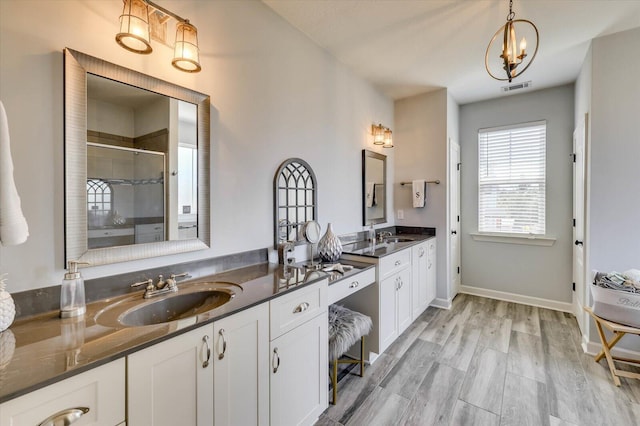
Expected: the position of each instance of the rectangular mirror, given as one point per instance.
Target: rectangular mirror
(136, 164)
(374, 179)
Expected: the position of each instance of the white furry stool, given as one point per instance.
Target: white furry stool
(346, 327)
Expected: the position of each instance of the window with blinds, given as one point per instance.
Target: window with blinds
(511, 179)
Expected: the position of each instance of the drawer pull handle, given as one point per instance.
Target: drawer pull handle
(275, 361)
(301, 308)
(65, 417)
(354, 284)
(421, 252)
(205, 339)
(224, 344)
(398, 263)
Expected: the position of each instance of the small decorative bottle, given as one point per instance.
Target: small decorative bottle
(329, 246)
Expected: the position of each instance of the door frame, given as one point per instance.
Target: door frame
(582, 288)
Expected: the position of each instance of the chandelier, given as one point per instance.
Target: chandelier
(512, 61)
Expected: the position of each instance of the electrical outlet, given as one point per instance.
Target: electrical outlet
(400, 214)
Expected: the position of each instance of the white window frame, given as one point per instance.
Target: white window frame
(538, 236)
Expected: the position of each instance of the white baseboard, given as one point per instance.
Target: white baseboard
(593, 348)
(441, 303)
(518, 298)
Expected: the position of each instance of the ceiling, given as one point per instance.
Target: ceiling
(407, 47)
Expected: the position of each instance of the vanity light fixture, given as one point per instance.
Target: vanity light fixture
(510, 59)
(382, 135)
(377, 130)
(388, 139)
(135, 33)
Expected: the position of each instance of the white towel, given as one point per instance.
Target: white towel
(419, 186)
(370, 189)
(13, 226)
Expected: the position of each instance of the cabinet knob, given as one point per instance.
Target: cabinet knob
(275, 360)
(205, 363)
(224, 344)
(65, 417)
(398, 263)
(421, 252)
(354, 284)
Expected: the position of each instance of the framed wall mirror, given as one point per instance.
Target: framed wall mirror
(374, 179)
(136, 164)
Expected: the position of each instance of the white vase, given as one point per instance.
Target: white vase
(329, 246)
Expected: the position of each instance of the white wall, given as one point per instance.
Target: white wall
(615, 149)
(274, 95)
(542, 272)
(421, 153)
(611, 96)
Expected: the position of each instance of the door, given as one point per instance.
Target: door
(299, 373)
(403, 300)
(241, 368)
(581, 295)
(171, 383)
(388, 329)
(454, 218)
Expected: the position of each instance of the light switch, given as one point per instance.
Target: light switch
(400, 214)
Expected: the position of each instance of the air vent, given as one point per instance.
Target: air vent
(517, 86)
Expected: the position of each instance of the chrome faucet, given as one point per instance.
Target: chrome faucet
(384, 234)
(170, 285)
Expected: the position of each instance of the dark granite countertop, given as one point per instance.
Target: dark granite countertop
(377, 250)
(49, 349)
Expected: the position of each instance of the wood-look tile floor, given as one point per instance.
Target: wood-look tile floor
(486, 362)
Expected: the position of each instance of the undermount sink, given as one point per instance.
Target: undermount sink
(397, 240)
(134, 311)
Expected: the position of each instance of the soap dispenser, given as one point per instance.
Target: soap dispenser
(72, 292)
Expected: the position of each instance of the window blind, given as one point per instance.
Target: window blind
(511, 181)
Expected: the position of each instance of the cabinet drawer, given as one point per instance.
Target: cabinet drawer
(101, 390)
(395, 262)
(350, 285)
(290, 310)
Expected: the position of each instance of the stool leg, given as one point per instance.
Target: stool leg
(334, 382)
(605, 348)
(362, 356)
(610, 344)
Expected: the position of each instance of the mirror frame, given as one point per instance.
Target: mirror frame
(370, 154)
(76, 67)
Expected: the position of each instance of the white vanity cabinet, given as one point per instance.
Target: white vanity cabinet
(241, 368)
(171, 383)
(394, 273)
(423, 267)
(100, 390)
(299, 359)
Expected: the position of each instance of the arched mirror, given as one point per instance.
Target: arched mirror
(295, 200)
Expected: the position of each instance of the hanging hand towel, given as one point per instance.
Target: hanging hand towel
(13, 226)
(419, 186)
(371, 194)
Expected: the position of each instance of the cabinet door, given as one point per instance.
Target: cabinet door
(419, 284)
(431, 271)
(100, 390)
(403, 300)
(388, 326)
(241, 368)
(299, 374)
(171, 383)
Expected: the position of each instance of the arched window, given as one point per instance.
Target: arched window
(99, 197)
